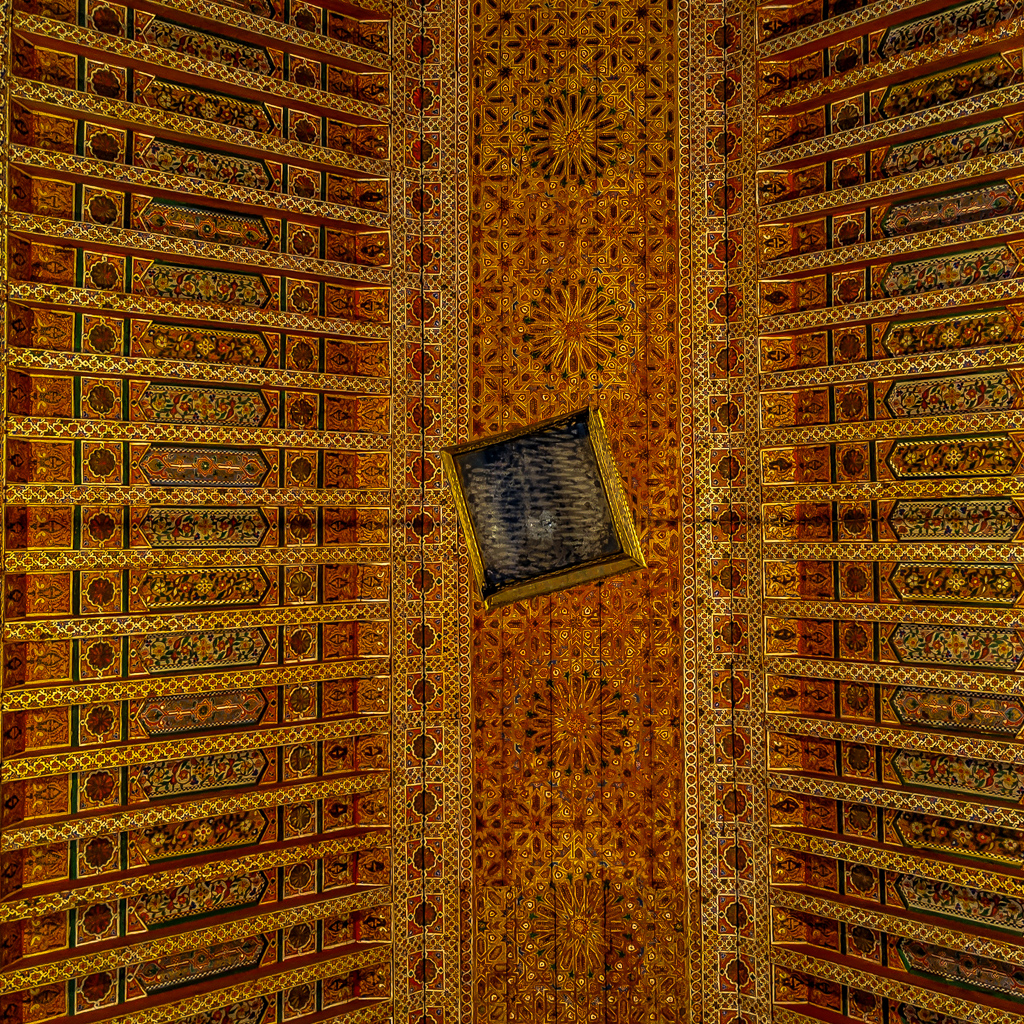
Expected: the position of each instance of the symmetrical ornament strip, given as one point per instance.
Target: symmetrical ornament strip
(85, 105)
(63, 297)
(131, 52)
(899, 862)
(137, 366)
(1008, 97)
(886, 987)
(225, 15)
(267, 984)
(156, 558)
(898, 799)
(903, 737)
(14, 981)
(145, 242)
(843, 23)
(174, 433)
(891, 923)
(902, 185)
(89, 169)
(148, 753)
(23, 837)
(160, 881)
(150, 624)
(133, 689)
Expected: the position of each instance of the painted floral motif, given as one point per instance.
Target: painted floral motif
(217, 648)
(807, 637)
(164, 589)
(189, 838)
(249, 1012)
(207, 896)
(367, 193)
(939, 26)
(208, 106)
(805, 520)
(946, 396)
(193, 162)
(915, 1015)
(974, 906)
(202, 774)
(97, 988)
(100, 787)
(182, 403)
(962, 207)
(955, 711)
(972, 330)
(204, 224)
(990, 583)
(206, 527)
(100, 720)
(363, 140)
(368, 249)
(206, 46)
(947, 86)
(365, 303)
(991, 779)
(172, 466)
(961, 646)
(195, 712)
(778, 79)
(960, 838)
(371, 34)
(985, 139)
(795, 579)
(196, 344)
(370, 88)
(202, 284)
(977, 455)
(976, 519)
(201, 964)
(956, 270)
(968, 969)
(96, 922)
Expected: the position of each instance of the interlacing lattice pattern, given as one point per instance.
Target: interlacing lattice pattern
(580, 294)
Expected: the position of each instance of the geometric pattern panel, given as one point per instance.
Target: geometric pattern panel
(584, 831)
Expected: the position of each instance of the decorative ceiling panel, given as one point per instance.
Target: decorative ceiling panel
(887, 173)
(232, 684)
(584, 827)
(850, 443)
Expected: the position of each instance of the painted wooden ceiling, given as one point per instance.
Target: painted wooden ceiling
(265, 757)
